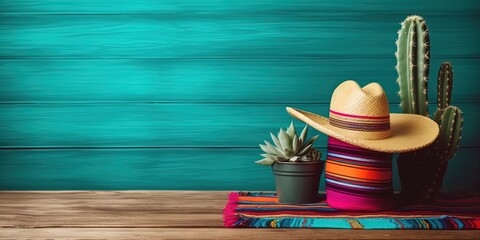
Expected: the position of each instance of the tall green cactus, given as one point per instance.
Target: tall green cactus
(421, 172)
(413, 62)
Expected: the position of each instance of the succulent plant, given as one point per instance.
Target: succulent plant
(421, 172)
(289, 147)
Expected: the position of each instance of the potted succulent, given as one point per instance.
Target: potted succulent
(296, 165)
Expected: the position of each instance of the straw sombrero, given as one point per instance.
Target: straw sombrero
(360, 116)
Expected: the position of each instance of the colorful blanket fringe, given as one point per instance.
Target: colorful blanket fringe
(262, 210)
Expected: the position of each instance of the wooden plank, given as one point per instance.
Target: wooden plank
(233, 234)
(162, 125)
(150, 214)
(211, 80)
(112, 209)
(223, 35)
(168, 6)
(150, 197)
(181, 169)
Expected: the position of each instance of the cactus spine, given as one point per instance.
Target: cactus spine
(421, 172)
(450, 118)
(445, 85)
(413, 61)
(450, 132)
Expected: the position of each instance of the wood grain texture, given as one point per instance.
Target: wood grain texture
(208, 80)
(184, 169)
(153, 215)
(215, 6)
(223, 233)
(163, 125)
(113, 209)
(221, 35)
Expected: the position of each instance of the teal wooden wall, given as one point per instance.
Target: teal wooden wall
(176, 94)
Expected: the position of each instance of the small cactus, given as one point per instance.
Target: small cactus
(421, 172)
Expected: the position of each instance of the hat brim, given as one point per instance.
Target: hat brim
(409, 132)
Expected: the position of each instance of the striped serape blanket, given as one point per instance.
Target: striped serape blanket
(262, 210)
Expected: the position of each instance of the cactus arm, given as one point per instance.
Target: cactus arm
(422, 66)
(442, 140)
(455, 132)
(445, 85)
(450, 131)
(457, 136)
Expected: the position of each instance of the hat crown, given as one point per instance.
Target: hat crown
(363, 111)
(350, 98)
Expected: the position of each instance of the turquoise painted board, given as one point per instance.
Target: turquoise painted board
(149, 94)
(226, 168)
(162, 125)
(296, 34)
(251, 6)
(208, 80)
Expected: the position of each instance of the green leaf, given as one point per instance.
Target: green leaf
(269, 156)
(305, 150)
(265, 162)
(291, 130)
(285, 140)
(275, 150)
(304, 159)
(289, 153)
(276, 141)
(303, 135)
(311, 140)
(295, 144)
(294, 159)
(267, 149)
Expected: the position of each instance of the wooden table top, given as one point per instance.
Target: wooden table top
(155, 215)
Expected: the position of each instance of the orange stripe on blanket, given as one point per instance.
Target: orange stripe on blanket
(257, 199)
(358, 173)
(359, 179)
(379, 169)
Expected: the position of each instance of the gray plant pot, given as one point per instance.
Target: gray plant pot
(298, 182)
